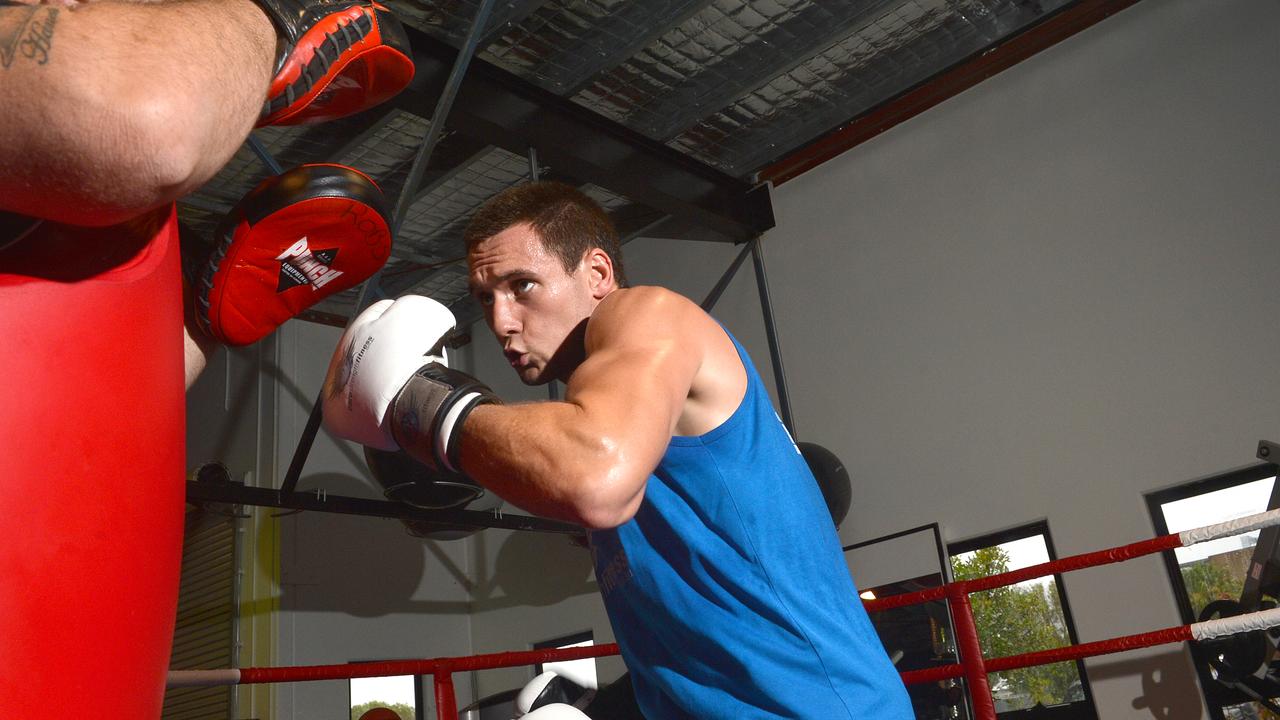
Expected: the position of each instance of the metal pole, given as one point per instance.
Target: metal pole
(775, 352)
(302, 450)
(534, 170)
(264, 155)
(725, 279)
(370, 289)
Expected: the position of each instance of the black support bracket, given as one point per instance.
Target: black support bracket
(235, 493)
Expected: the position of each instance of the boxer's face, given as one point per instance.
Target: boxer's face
(534, 307)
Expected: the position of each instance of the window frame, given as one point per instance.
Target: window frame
(1085, 709)
(1215, 695)
(419, 697)
(562, 641)
(903, 585)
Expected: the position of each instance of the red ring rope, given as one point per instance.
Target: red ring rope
(975, 669)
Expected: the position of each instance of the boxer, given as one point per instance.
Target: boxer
(714, 549)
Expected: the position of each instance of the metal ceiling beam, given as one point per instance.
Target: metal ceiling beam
(604, 52)
(497, 107)
(949, 83)
(507, 15)
(469, 151)
(630, 219)
(754, 65)
(627, 219)
(434, 264)
(377, 119)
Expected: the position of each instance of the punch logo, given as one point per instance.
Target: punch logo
(299, 265)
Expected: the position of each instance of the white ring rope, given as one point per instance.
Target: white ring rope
(1229, 528)
(202, 678)
(1222, 627)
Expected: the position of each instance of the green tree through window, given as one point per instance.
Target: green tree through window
(1019, 619)
(405, 712)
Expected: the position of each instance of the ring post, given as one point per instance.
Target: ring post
(446, 703)
(970, 648)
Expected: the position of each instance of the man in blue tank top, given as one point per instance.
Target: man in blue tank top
(715, 553)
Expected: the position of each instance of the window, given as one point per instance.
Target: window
(1022, 618)
(1215, 572)
(916, 636)
(399, 693)
(582, 672)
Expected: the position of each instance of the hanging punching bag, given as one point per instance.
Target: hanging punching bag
(832, 477)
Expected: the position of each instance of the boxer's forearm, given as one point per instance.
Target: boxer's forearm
(549, 458)
(111, 108)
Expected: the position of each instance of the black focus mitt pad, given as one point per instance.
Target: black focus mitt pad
(334, 58)
(430, 410)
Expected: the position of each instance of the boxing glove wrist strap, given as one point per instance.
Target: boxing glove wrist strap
(430, 410)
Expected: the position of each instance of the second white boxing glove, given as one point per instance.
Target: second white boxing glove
(558, 711)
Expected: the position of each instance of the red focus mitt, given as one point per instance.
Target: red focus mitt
(294, 240)
(335, 58)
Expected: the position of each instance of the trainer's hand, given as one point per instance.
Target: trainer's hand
(378, 353)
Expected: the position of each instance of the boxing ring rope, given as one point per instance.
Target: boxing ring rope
(974, 668)
(441, 670)
(1207, 630)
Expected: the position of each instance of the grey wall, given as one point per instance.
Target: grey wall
(229, 420)
(351, 588)
(354, 588)
(1044, 298)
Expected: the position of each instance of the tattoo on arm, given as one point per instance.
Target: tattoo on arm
(26, 32)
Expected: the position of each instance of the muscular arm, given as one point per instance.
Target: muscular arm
(586, 459)
(112, 108)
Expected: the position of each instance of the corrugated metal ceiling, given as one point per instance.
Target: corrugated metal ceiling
(733, 83)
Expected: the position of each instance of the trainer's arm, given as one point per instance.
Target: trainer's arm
(113, 108)
(586, 459)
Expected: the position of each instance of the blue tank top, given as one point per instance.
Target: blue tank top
(728, 592)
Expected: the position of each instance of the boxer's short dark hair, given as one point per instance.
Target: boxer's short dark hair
(567, 222)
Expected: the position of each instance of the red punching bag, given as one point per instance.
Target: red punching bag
(91, 467)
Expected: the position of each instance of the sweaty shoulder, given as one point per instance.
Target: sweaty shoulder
(644, 313)
(661, 320)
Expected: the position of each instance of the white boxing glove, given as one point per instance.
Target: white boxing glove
(378, 353)
(547, 689)
(558, 711)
